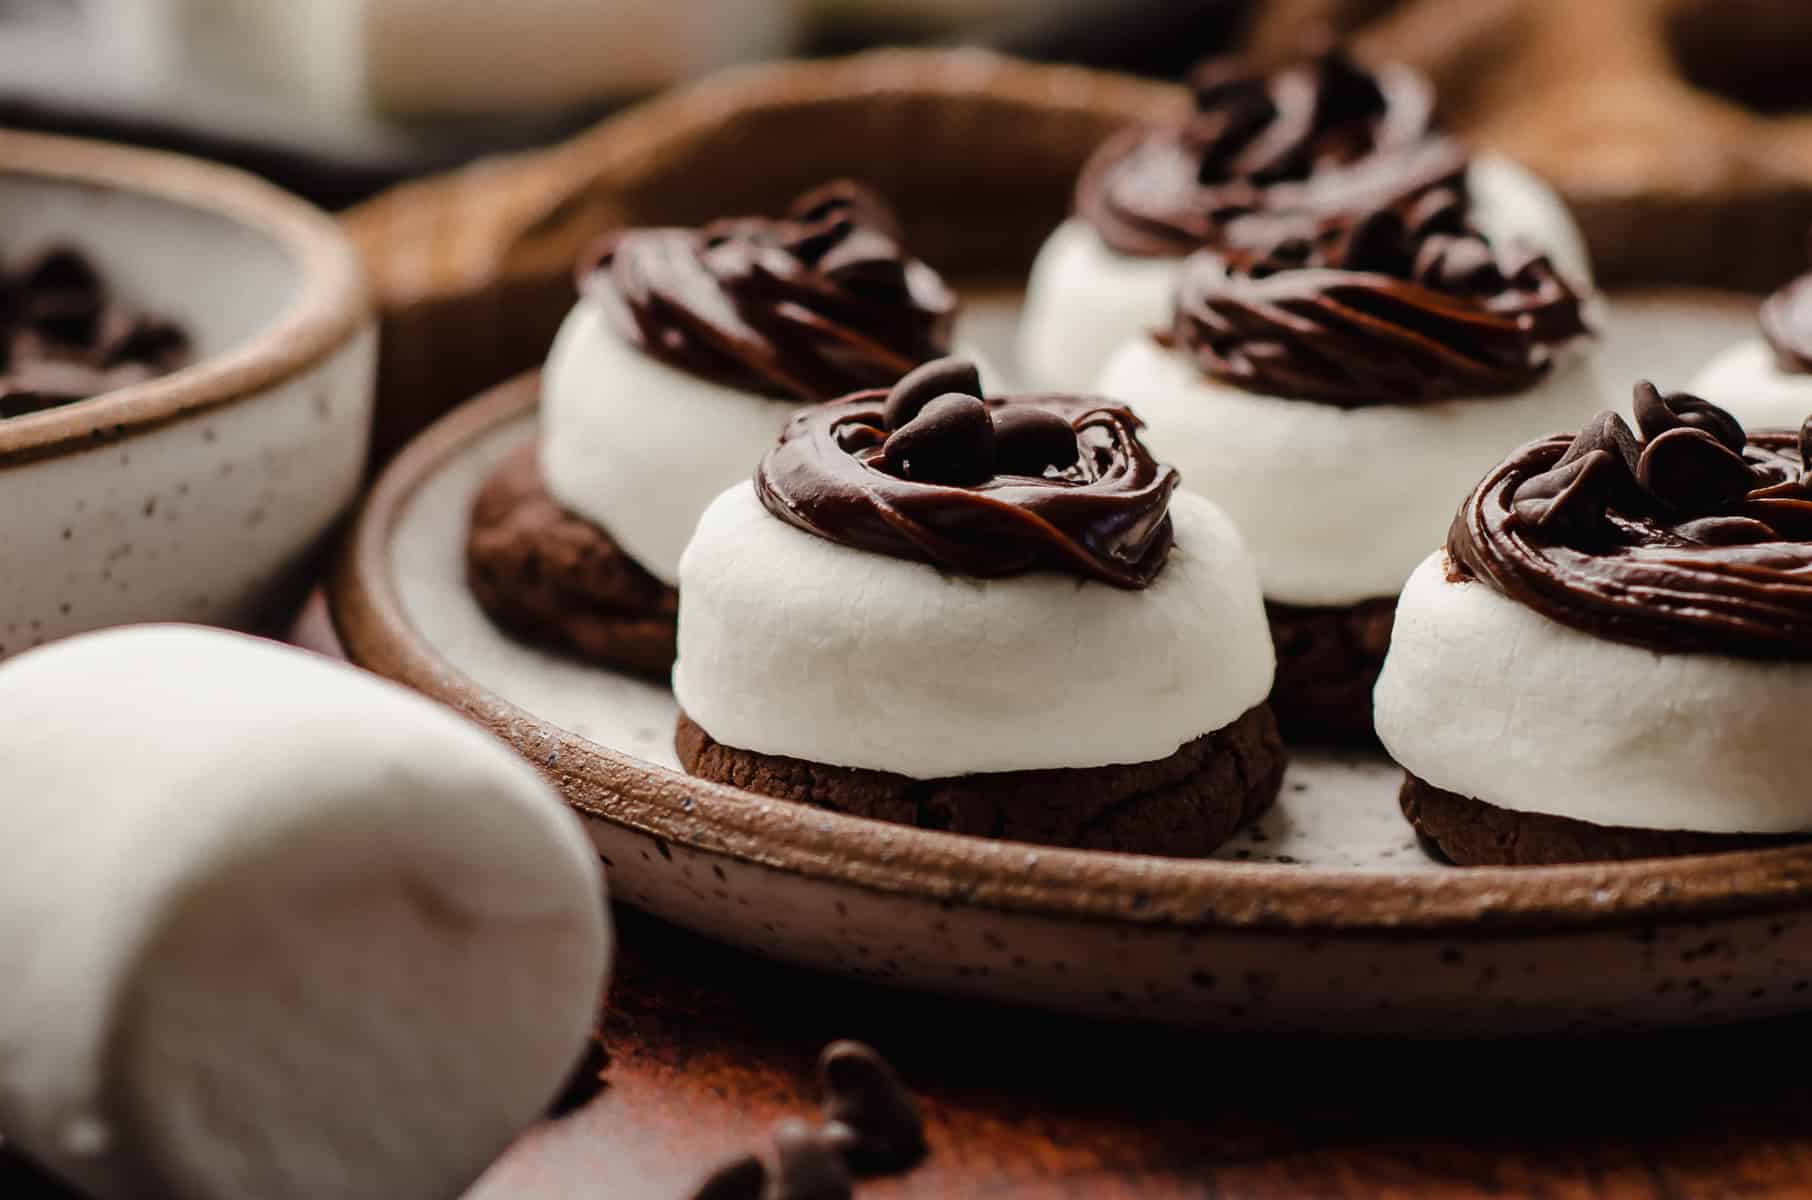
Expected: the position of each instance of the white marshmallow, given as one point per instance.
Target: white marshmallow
(271, 927)
(1485, 697)
(1745, 380)
(1337, 505)
(793, 645)
(1084, 300)
(640, 448)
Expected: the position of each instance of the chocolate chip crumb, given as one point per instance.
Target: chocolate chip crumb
(862, 1092)
(871, 1127)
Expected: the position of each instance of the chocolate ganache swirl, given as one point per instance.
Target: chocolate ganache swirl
(1404, 303)
(1321, 136)
(819, 304)
(1694, 537)
(932, 472)
(1786, 321)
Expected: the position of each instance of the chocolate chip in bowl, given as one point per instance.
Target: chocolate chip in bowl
(64, 339)
(1323, 914)
(185, 390)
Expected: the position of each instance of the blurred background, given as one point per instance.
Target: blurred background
(336, 99)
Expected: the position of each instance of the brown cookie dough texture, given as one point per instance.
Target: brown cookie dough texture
(1328, 661)
(1472, 833)
(550, 577)
(1185, 805)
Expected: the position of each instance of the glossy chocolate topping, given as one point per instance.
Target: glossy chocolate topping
(1005, 486)
(817, 305)
(1322, 136)
(1400, 304)
(1692, 537)
(1787, 326)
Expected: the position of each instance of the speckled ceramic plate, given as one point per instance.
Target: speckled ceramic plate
(1325, 915)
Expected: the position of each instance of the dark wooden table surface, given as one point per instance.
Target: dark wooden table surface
(709, 1047)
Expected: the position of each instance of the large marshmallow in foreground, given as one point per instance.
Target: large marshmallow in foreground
(271, 927)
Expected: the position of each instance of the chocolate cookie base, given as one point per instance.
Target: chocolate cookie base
(1185, 805)
(550, 577)
(1328, 661)
(1472, 833)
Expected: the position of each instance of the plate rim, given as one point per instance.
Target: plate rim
(955, 869)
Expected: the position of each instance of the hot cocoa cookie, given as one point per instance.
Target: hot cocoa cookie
(1335, 382)
(1185, 805)
(994, 615)
(1319, 138)
(549, 576)
(1612, 654)
(672, 375)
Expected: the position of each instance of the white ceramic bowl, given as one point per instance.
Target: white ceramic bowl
(198, 496)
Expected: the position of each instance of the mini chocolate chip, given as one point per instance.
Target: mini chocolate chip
(1375, 243)
(1438, 210)
(61, 268)
(1693, 471)
(951, 441)
(926, 383)
(1027, 439)
(1725, 531)
(1461, 262)
(806, 1166)
(135, 338)
(862, 1092)
(1570, 495)
(742, 1178)
(864, 258)
(812, 242)
(1657, 414)
(845, 198)
(1608, 432)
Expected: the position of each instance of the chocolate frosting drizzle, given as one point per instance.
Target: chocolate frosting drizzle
(1006, 486)
(1403, 303)
(1693, 537)
(821, 303)
(1321, 136)
(1786, 321)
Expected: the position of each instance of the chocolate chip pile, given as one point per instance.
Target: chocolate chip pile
(1689, 470)
(63, 338)
(869, 1126)
(1421, 236)
(940, 430)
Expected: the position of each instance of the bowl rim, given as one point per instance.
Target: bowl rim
(329, 309)
(1086, 885)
